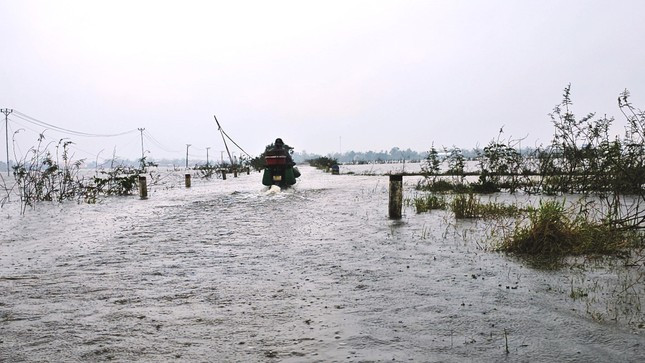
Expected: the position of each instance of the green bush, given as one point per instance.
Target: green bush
(323, 162)
(551, 232)
(429, 202)
(443, 186)
(469, 206)
(465, 206)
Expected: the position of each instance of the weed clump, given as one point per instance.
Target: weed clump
(43, 176)
(324, 163)
(118, 181)
(465, 206)
(444, 186)
(468, 206)
(550, 232)
(429, 202)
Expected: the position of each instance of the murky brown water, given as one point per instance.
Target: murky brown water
(226, 272)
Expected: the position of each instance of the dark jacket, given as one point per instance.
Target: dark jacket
(280, 150)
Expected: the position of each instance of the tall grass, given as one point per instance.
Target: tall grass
(429, 202)
(469, 206)
(552, 232)
(45, 176)
(49, 173)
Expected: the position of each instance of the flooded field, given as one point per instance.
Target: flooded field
(227, 271)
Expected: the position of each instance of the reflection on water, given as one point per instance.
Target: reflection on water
(231, 271)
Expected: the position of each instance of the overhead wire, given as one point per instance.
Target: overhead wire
(72, 146)
(48, 126)
(219, 127)
(15, 145)
(36, 121)
(18, 153)
(26, 119)
(150, 138)
(157, 143)
(25, 126)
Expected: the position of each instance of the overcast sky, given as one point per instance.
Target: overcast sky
(323, 75)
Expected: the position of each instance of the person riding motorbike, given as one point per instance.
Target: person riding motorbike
(279, 168)
(280, 149)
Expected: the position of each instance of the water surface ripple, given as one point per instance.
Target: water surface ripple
(225, 271)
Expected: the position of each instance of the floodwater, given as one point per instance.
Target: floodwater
(227, 271)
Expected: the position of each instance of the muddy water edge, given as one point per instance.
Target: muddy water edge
(226, 271)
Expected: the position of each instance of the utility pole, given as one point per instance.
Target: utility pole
(6, 112)
(187, 146)
(143, 163)
(208, 147)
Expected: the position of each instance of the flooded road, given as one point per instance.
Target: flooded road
(226, 271)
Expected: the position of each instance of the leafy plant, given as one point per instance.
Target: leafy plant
(433, 164)
(121, 180)
(40, 177)
(469, 206)
(324, 162)
(550, 231)
(456, 163)
(465, 206)
(500, 164)
(429, 202)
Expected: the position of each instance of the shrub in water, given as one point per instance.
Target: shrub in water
(551, 232)
(469, 206)
(429, 202)
(465, 206)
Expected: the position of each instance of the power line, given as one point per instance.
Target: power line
(150, 138)
(24, 125)
(17, 115)
(41, 123)
(64, 130)
(14, 145)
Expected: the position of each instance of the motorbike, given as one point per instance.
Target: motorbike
(278, 170)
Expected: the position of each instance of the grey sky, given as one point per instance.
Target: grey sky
(361, 75)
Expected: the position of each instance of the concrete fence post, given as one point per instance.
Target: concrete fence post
(143, 187)
(396, 196)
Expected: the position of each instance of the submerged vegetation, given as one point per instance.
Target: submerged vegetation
(429, 202)
(583, 205)
(324, 163)
(593, 206)
(469, 206)
(42, 175)
(48, 173)
(582, 159)
(552, 232)
(606, 174)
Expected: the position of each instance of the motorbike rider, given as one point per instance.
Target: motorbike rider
(279, 147)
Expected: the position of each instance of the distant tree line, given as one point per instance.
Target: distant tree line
(359, 157)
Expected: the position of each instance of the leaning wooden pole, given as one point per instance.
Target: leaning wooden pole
(224, 139)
